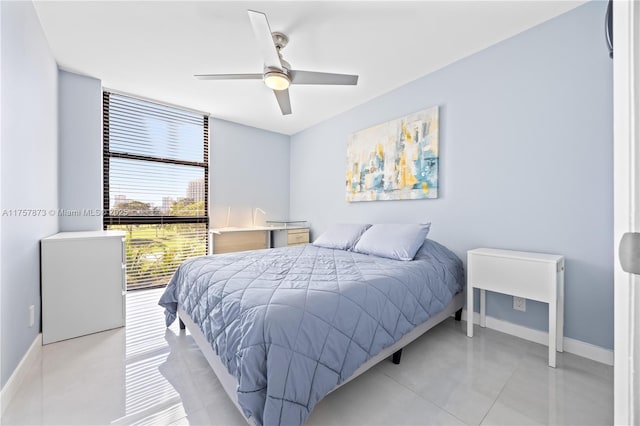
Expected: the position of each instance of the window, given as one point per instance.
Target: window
(155, 185)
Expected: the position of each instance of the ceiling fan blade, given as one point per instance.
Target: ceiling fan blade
(284, 101)
(228, 76)
(262, 32)
(311, 77)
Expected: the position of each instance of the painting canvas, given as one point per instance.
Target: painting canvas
(396, 160)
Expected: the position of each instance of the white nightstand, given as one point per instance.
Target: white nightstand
(84, 279)
(534, 276)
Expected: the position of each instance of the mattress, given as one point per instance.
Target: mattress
(291, 324)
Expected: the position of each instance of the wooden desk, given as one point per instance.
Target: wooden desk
(226, 240)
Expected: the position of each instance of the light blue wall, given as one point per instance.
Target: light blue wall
(80, 155)
(526, 162)
(249, 168)
(28, 173)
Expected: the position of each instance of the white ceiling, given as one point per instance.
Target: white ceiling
(153, 48)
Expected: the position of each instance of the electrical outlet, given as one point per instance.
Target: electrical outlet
(519, 303)
(32, 315)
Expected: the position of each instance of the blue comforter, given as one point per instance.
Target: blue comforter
(292, 323)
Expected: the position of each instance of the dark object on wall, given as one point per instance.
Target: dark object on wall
(629, 252)
(608, 27)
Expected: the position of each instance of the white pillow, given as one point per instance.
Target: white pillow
(395, 241)
(342, 236)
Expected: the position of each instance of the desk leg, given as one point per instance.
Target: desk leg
(483, 308)
(553, 309)
(469, 310)
(560, 319)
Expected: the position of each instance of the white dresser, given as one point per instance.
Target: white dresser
(83, 283)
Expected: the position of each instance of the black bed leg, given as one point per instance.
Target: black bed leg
(396, 357)
(459, 315)
(182, 326)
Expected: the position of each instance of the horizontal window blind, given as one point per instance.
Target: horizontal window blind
(155, 185)
(146, 188)
(155, 251)
(143, 128)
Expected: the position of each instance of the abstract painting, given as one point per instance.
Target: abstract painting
(396, 160)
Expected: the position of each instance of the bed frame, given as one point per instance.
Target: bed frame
(230, 384)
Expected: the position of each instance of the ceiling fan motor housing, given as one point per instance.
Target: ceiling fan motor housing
(279, 39)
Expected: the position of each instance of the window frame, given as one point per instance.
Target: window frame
(107, 155)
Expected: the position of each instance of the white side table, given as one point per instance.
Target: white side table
(534, 276)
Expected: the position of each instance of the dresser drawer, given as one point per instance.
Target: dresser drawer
(297, 236)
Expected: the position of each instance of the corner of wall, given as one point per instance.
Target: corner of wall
(79, 151)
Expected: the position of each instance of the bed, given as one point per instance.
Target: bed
(284, 327)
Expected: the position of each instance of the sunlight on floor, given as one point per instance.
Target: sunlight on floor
(148, 374)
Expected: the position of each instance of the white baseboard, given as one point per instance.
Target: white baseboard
(28, 361)
(576, 347)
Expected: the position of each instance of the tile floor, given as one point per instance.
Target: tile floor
(148, 374)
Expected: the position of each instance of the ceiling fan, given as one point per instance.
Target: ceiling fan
(277, 74)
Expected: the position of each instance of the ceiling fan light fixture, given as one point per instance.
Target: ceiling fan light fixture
(277, 80)
(277, 73)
